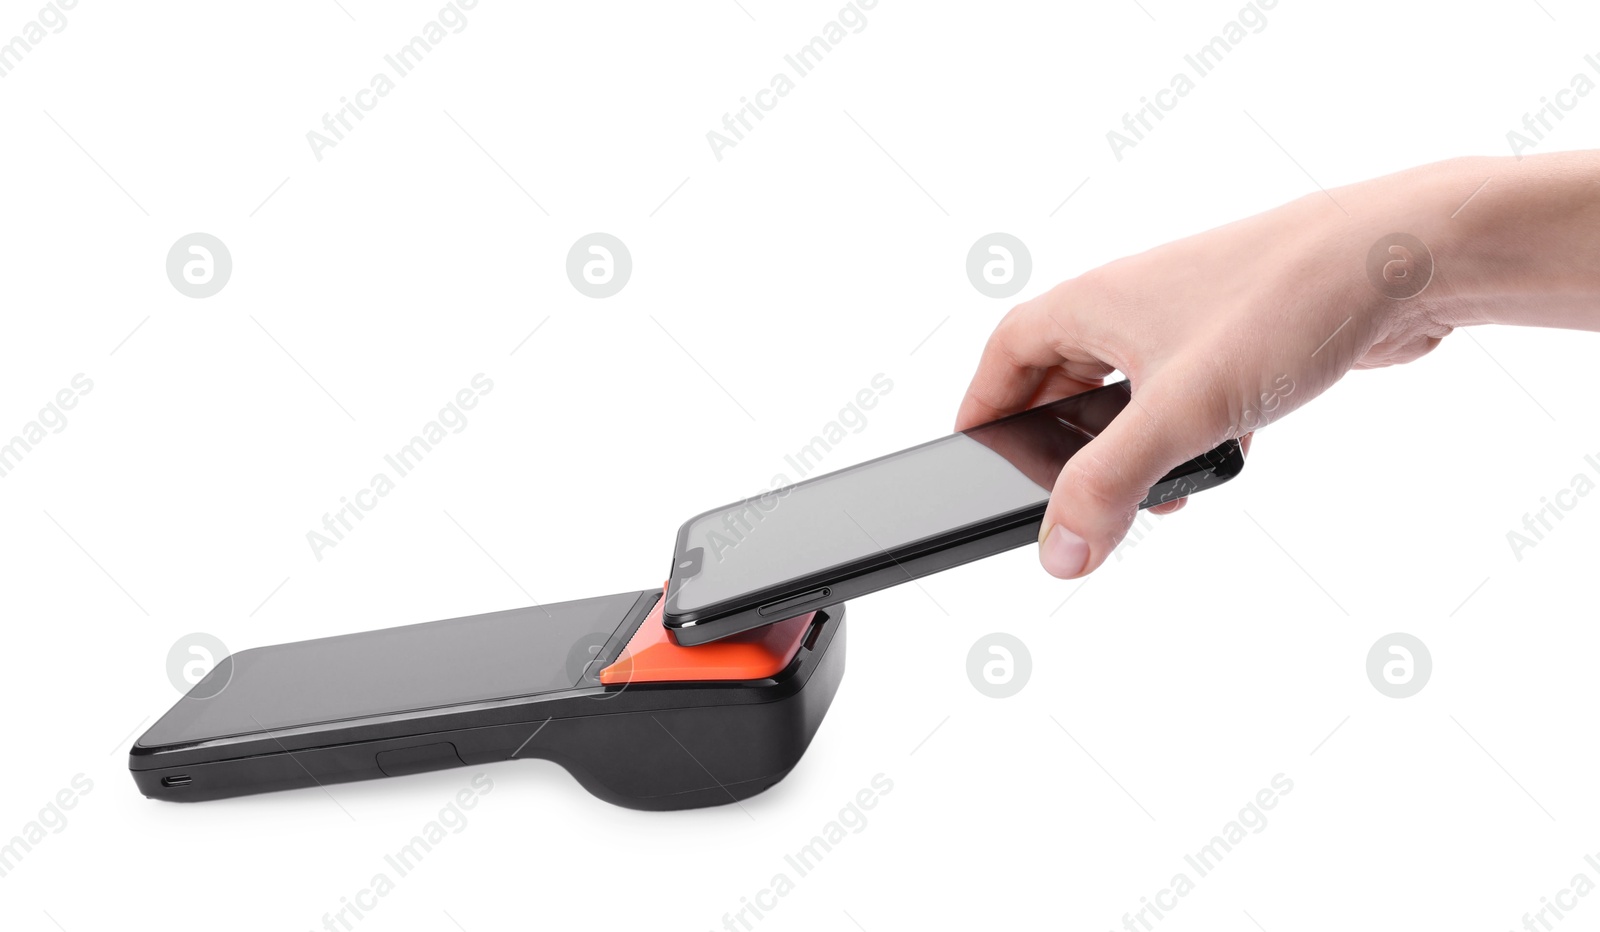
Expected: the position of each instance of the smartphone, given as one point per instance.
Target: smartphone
(889, 520)
(679, 728)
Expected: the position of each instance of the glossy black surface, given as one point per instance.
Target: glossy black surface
(644, 746)
(891, 519)
(520, 652)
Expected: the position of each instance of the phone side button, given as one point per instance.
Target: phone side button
(793, 602)
(404, 761)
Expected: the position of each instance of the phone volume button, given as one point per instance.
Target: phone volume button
(785, 605)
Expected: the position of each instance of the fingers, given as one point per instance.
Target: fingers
(1043, 349)
(1097, 495)
(1032, 356)
(1167, 508)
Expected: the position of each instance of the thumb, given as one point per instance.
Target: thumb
(1097, 494)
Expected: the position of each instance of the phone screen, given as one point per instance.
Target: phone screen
(501, 655)
(886, 504)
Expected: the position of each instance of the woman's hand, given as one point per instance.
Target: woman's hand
(1229, 330)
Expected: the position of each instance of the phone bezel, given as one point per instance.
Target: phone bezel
(842, 580)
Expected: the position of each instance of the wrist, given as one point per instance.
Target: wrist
(1512, 241)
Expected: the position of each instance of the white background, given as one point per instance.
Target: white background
(768, 287)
